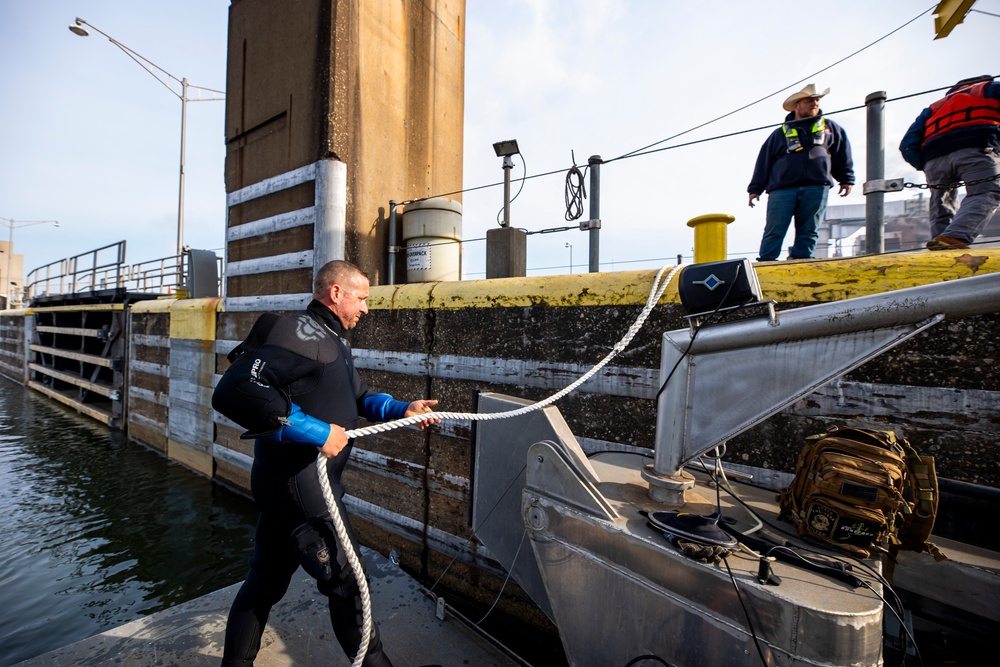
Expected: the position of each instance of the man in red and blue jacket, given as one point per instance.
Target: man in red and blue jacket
(957, 138)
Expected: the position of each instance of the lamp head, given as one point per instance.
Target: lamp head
(78, 29)
(506, 148)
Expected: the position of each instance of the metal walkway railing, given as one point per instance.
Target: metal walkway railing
(104, 271)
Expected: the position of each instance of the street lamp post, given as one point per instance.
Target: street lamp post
(11, 224)
(215, 96)
(570, 246)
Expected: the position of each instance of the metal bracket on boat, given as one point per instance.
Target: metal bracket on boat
(667, 489)
(698, 319)
(882, 185)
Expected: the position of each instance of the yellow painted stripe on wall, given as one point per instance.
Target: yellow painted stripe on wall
(153, 305)
(789, 281)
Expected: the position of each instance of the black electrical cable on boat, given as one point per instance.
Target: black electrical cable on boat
(719, 453)
(875, 573)
(746, 612)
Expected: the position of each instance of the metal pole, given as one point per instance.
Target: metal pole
(508, 164)
(594, 162)
(10, 252)
(390, 273)
(875, 201)
(180, 196)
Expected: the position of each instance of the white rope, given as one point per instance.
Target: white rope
(352, 558)
(654, 296)
(655, 292)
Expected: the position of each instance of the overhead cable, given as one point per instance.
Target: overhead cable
(781, 90)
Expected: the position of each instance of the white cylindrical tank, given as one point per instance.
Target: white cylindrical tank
(432, 234)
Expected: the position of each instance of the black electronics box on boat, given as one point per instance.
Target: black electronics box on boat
(704, 288)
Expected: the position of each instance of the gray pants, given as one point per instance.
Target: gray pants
(981, 200)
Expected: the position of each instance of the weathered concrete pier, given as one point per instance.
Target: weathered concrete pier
(298, 631)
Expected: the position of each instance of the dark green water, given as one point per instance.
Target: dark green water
(96, 531)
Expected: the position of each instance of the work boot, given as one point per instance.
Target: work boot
(946, 243)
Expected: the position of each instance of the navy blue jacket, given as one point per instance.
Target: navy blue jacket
(979, 136)
(777, 168)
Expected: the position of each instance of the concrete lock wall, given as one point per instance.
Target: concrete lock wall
(333, 109)
(408, 490)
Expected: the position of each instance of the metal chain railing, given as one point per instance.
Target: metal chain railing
(950, 186)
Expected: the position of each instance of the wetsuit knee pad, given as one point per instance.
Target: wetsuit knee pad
(316, 546)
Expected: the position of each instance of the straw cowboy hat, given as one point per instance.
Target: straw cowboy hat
(808, 91)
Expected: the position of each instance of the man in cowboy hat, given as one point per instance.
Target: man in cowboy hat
(797, 166)
(957, 138)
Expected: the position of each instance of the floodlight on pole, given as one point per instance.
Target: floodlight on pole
(11, 225)
(169, 82)
(506, 149)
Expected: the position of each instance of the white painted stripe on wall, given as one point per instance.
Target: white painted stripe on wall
(151, 424)
(446, 484)
(287, 262)
(232, 457)
(490, 369)
(150, 340)
(271, 185)
(148, 395)
(274, 223)
(224, 347)
(256, 304)
(437, 539)
(964, 409)
(149, 367)
(611, 380)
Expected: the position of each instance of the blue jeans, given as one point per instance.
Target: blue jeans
(806, 204)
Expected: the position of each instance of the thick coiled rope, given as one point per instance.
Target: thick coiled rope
(352, 558)
(655, 292)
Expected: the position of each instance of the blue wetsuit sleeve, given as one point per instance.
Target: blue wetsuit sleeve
(383, 407)
(301, 428)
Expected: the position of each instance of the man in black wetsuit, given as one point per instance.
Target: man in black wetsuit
(296, 390)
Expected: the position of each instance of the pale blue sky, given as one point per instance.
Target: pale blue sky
(92, 141)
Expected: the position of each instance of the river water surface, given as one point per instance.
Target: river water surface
(96, 531)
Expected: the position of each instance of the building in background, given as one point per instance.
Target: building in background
(842, 232)
(11, 276)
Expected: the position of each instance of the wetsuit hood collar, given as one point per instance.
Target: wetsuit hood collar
(324, 314)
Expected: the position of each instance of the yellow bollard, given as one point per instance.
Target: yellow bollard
(710, 237)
